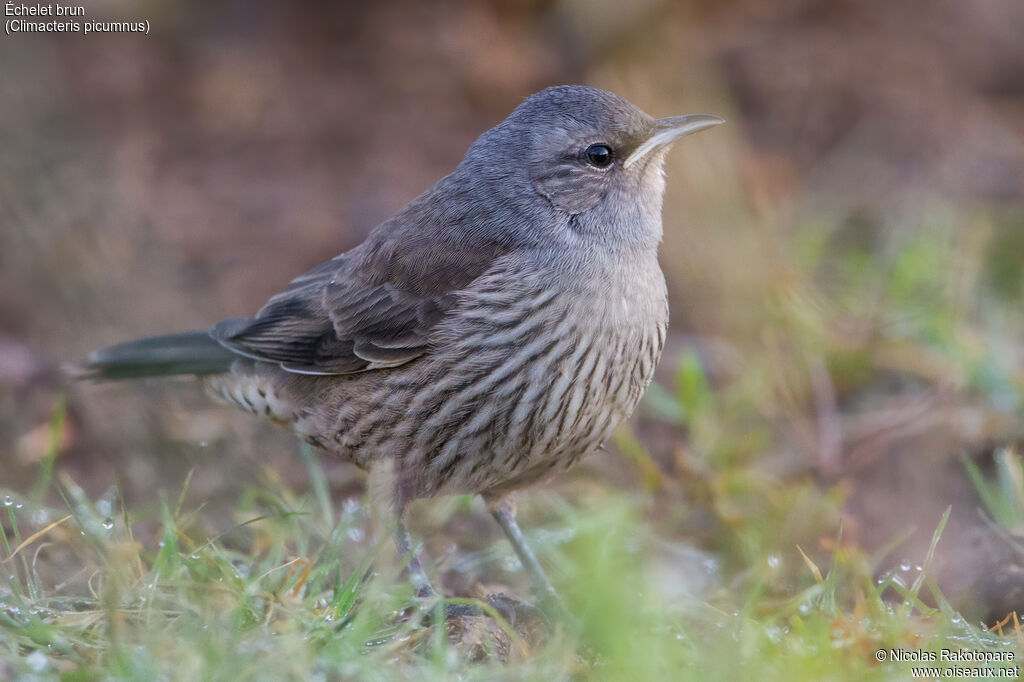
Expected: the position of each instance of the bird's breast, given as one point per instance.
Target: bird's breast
(538, 374)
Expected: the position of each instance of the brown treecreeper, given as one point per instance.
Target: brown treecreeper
(496, 329)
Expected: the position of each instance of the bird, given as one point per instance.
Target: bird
(494, 331)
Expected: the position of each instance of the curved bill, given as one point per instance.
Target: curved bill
(668, 130)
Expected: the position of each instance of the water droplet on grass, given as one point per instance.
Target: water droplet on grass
(905, 566)
(8, 501)
(774, 560)
(108, 523)
(37, 661)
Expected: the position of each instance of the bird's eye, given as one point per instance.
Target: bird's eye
(599, 155)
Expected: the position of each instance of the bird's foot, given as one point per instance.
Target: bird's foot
(496, 626)
(513, 611)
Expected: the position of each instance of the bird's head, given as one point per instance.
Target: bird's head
(592, 156)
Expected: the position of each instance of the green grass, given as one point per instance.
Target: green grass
(279, 596)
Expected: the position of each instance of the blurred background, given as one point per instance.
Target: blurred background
(845, 258)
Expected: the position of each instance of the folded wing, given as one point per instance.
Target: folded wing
(370, 308)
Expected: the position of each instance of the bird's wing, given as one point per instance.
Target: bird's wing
(370, 308)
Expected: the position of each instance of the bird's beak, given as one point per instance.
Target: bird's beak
(668, 130)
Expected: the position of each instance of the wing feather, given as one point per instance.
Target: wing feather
(357, 312)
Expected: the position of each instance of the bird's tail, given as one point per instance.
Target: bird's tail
(185, 353)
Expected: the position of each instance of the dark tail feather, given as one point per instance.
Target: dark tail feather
(187, 353)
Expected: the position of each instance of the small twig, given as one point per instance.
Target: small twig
(35, 536)
(811, 565)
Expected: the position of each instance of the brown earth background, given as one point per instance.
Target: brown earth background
(156, 183)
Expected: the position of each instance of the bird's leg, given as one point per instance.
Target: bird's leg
(417, 576)
(388, 509)
(504, 512)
